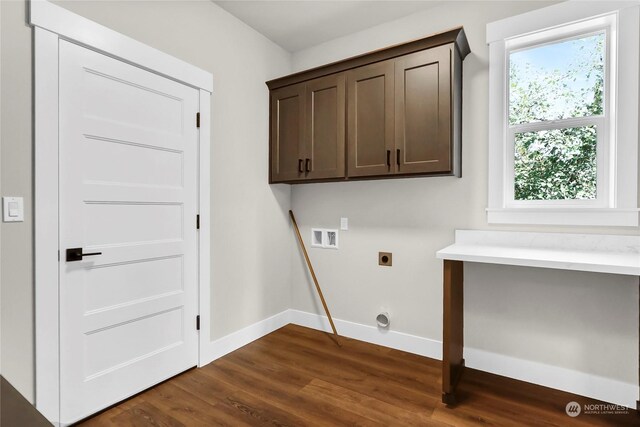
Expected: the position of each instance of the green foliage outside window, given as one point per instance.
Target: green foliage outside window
(554, 82)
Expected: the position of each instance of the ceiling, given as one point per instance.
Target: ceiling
(296, 25)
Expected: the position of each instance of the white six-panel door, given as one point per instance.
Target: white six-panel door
(128, 191)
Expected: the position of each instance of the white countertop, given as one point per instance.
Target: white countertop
(582, 252)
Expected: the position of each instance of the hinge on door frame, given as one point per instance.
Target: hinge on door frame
(198, 322)
(198, 120)
(198, 222)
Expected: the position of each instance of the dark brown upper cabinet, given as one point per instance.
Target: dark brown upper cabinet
(399, 110)
(423, 138)
(370, 120)
(308, 130)
(287, 133)
(325, 127)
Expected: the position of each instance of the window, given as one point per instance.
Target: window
(556, 120)
(563, 133)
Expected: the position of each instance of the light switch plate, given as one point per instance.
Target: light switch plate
(12, 209)
(344, 223)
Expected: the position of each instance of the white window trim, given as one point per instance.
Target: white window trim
(619, 205)
(52, 23)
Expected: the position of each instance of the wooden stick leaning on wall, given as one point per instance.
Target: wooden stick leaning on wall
(313, 274)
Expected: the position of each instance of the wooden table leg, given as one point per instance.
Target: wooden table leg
(453, 327)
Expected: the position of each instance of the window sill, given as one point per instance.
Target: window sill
(565, 216)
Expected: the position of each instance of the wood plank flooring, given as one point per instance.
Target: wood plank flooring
(297, 376)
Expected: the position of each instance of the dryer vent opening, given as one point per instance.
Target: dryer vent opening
(383, 320)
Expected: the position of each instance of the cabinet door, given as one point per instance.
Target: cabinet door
(423, 112)
(325, 122)
(287, 133)
(370, 119)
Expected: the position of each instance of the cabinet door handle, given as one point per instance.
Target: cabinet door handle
(300, 170)
(398, 157)
(388, 158)
(307, 165)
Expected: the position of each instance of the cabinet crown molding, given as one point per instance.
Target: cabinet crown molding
(456, 36)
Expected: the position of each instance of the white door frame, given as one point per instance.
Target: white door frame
(52, 23)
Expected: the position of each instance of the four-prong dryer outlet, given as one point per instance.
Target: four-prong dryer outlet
(385, 259)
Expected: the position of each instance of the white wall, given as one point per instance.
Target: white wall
(16, 256)
(250, 230)
(580, 321)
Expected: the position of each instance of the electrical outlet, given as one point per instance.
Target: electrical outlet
(385, 259)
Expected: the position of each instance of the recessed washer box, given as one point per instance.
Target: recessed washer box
(324, 238)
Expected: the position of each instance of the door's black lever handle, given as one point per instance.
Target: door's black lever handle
(76, 254)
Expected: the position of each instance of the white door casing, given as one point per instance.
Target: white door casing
(128, 190)
(53, 27)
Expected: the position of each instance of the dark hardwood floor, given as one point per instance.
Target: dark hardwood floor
(298, 377)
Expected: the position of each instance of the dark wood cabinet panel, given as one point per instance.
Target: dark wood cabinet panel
(395, 112)
(423, 112)
(325, 127)
(370, 120)
(308, 130)
(287, 133)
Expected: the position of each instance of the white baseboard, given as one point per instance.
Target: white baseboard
(225, 345)
(564, 379)
(568, 380)
(371, 334)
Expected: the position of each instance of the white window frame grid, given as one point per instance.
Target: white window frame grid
(600, 25)
(617, 153)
